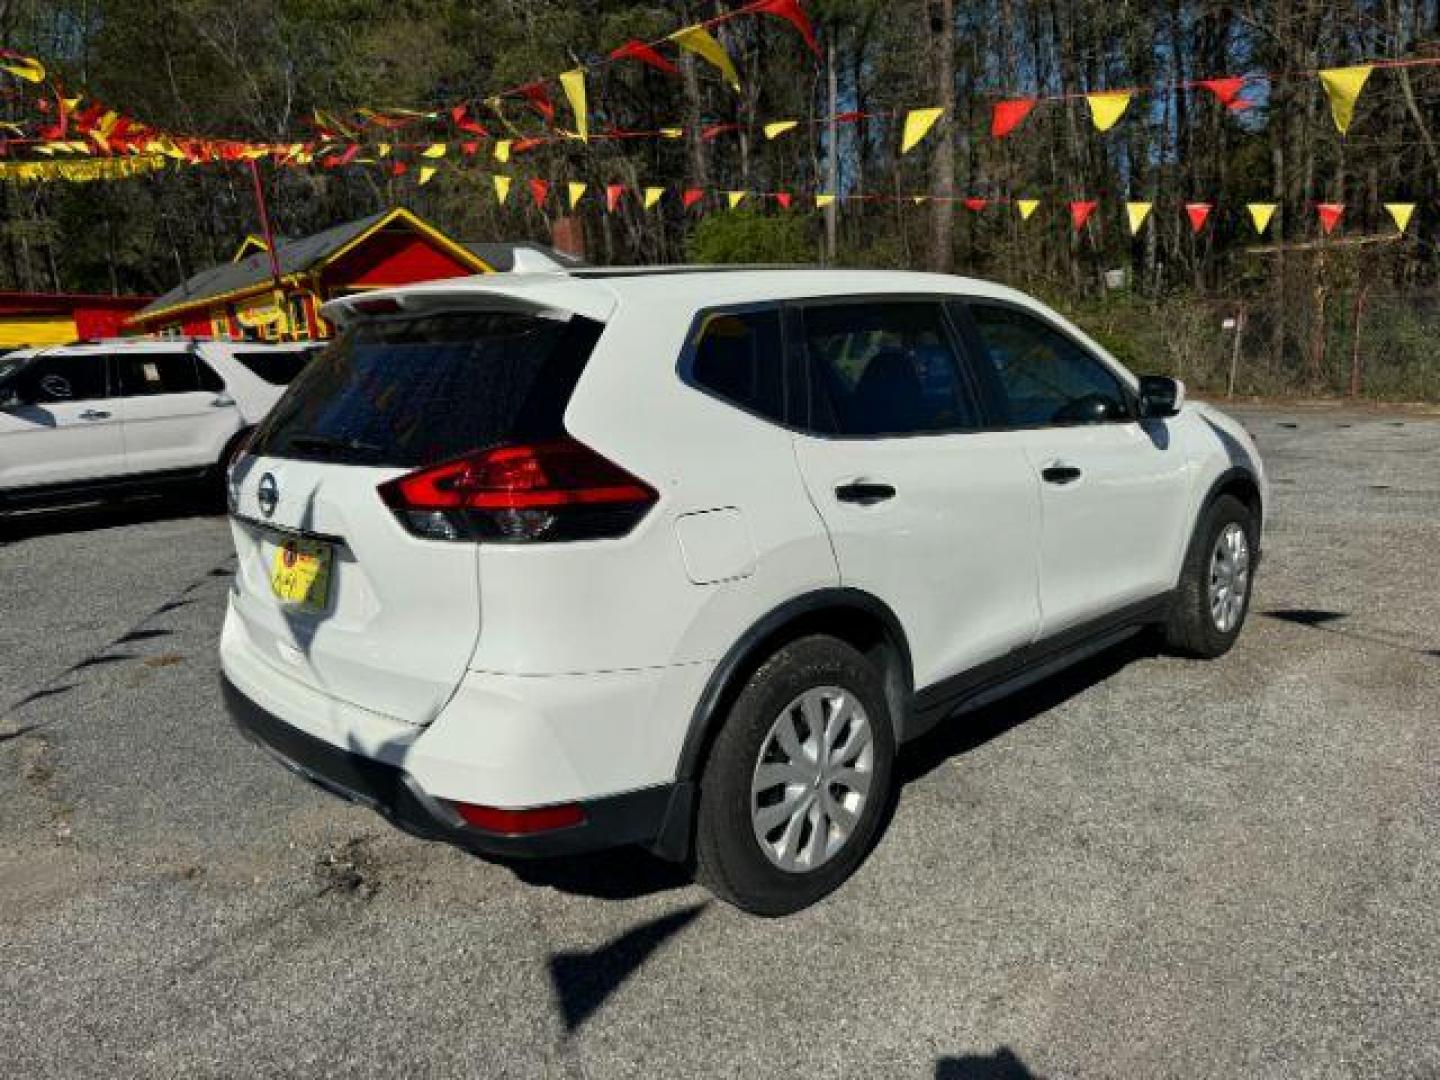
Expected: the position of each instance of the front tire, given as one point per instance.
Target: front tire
(798, 782)
(1213, 597)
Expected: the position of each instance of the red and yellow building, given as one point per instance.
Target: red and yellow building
(58, 318)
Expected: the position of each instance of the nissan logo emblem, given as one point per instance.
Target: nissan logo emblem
(268, 493)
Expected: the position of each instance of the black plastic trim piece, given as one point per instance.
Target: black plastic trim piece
(634, 817)
(78, 491)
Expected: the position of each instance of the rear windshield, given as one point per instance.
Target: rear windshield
(278, 367)
(413, 391)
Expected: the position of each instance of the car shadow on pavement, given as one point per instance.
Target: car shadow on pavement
(965, 732)
(1001, 1065)
(621, 874)
(585, 980)
(104, 516)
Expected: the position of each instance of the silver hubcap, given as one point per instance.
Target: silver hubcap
(812, 779)
(1229, 578)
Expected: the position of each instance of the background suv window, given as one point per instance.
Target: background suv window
(51, 379)
(276, 366)
(145, 374)
(1045, 378)
(884, 369)
(739, 356)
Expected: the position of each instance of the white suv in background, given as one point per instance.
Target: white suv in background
(548, 562)
(93, 420)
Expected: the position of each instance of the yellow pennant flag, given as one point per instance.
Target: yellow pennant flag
(383, 150)
(1343, 86)
(1260, 215)
(1401, 212)
(577, 190)
(1027, 207)
(502, 150)
(427, 172)
(652, 196)
(23, 67)
(434, 150)
(1137, 212)
(734, 198)
(822, 201)
(672, 133)
(702, 43)
(1107, 107)
(777, 128)
(573, 83)
(502, 188)
(918, 123)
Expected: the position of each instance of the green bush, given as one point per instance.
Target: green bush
(744, 236)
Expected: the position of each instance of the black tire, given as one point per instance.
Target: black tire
(729, 857)
(1190, 629)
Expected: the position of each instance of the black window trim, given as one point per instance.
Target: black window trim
(993, 395)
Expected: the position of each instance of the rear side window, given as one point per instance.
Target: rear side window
(1045, 378)
(49, 380)
(278, 367)
(739, 356)
(884, 369)
(147, 374)
(414, 391)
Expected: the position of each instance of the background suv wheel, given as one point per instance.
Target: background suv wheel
(798, 781)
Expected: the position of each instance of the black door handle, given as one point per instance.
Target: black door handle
(864, 494)
(1060, 474)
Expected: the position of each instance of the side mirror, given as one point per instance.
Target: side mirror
(1160, 396)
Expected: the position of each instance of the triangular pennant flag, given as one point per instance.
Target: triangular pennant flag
(1107, 107)
(1342, 87)
(502, 150)
(734, 198)
(976, 205)
(1198, 213)
(652, 196)
(1401, 213)
(1008, 115)
(536, 94)
(502, 188)
(918, 199)
(1027, 207)
(573, 83)
(672, 133)
(1260, 215)
(612, 196)
(1137, 212)
(777, 128)
(691, 197)
(22, 67)
(783, 198)
(822, 201)
(427, 172)
(701, 42)
(638, 50)
(577, 192)
(1330, 214)
(539, 189)
(398, 168)
(434, 150)
(790, 11)
(470, 149)
(918, 123)
(1226, 90)
(1080, 212)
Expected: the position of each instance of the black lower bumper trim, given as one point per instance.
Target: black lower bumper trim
(637, 817)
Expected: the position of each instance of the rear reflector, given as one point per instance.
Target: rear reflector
(555, 490)
(521, 822)
(379, 305)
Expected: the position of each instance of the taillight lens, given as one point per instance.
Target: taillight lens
(521, 822)
(548, 491)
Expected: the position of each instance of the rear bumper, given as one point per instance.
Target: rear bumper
(646, 816)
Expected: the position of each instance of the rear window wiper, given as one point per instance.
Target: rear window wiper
(334, 444)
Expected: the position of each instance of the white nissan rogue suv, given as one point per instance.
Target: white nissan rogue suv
(542, 563)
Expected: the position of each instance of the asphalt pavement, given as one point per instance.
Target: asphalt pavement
(1146, 867)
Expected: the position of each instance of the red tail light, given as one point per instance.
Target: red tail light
(520, 822)
(557, 490)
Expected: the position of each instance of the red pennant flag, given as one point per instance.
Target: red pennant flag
(783, 198)
(521, 146)
(1330, 214)
(714, 130)
(398, 168)
(84, 121)
(1080, 213)
(1009, 115)
(854, 116)
(789, 10)
(638, 50)
(58, 129)
(612, 196)
(691, 197)
(1226, 91)
(976, 204)
(464, 123)
(1198, 213)
(470, 149)
(536, 94)
(538, 190)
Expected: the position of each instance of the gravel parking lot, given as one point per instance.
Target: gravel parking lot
(1148, 867)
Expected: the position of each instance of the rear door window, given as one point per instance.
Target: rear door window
(151, 374)
(412, 391)
(739, 357)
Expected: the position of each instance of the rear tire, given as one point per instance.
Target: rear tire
(1216, 582)
(798, 781)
